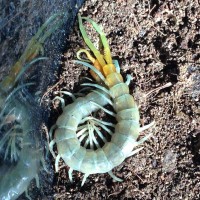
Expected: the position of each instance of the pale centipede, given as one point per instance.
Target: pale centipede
(110, 86)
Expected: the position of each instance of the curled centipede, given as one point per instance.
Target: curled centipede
(110, 89)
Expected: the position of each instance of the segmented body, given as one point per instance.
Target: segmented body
(19, 131)
(127, 128)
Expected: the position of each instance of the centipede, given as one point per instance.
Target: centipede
(75, 124)
(20, 145)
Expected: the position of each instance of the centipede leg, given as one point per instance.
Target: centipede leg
(89, 43)
(114, 177)
(44, 164)
(104, 109)
(95, 141)
(62, 101)
(70, 174)
(105, 128)
(69, 94)
(100, 134)
(27, 195)
(86, 142)
(116, 63)
(56, 163)
(91, 132)
(144, 138)
(84, 179)
(107, 53)
(51, 131)
(37, 181)
(147, 126)
(51, 144)
(129, 78)
(97, 86)
(134, 152)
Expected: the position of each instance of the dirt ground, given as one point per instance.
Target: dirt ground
(158, 44)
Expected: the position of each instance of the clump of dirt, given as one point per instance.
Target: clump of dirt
(158, 44)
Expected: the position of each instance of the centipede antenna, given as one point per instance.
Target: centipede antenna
(97, 86)
(129, 78)
(69, 94)
(114, 177)
(107, 53)
(116, 63)
(104, 109)
(104, 96)
(134, 152)
(92, 68)
(70, 174)
(89, 43)
(84, 179)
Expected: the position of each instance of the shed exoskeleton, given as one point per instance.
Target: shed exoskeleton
(19, 142)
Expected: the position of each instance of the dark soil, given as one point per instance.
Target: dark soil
(158, 44)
